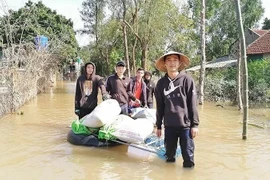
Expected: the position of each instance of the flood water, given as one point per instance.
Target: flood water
(34, 146)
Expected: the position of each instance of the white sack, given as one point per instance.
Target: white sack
(104, 113)
(130, 130)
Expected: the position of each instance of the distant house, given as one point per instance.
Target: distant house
(257, 44)
(252, 35)
(260, 47)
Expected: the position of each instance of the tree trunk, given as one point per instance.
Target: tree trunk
(134, 56)
(107, 62)
(96, 25)
(126, 48)
(244, 68)
(124, 28)
(239, 82)
(203, 57)
(106, 56)
(136, 28)
(144, 56)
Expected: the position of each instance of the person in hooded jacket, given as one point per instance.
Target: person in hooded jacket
(86, 92)
(176, 102)
(150, 88)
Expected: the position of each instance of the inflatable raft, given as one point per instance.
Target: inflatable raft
(105, 126)
(88, 140)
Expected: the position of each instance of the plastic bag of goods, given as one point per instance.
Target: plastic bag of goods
(127, 129)
(144, 113)
(104, 113)
(157, 144)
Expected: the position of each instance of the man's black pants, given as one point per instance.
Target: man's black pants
(186, 143)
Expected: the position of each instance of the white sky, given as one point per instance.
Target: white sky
(70, 9)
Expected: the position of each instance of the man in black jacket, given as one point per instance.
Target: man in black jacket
(117, 86)
(176, 100)
(87, 91)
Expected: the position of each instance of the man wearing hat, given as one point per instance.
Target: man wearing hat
(117, 86)
(176, 103)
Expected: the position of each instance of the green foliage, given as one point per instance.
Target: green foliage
(221, 26)
(115, 56)
(35, 19)
(260, 93)
(266, 24)
(160, 26)
(220, 85)
(219, 88)
(163, 25)
(259, 81)
(84, 53)
(92, 15)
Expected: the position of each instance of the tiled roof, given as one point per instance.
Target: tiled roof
(260, 45)
(260, 32)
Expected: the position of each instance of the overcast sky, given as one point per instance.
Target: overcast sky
(70, 9)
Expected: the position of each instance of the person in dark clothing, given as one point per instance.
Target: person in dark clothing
(150, 88)
(117, 86)
(138, 88)
(87, 91)
(176, 103)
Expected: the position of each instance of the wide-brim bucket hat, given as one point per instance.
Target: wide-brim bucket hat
(160, 63)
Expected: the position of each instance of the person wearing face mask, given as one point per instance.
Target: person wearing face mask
(118, 87)
(86, 92)
(176, 102)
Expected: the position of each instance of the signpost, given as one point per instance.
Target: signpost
(41, 42)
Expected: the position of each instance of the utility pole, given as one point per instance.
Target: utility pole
(244, 70)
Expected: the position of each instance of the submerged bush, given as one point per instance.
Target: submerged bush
(217, 88)
(220, 84)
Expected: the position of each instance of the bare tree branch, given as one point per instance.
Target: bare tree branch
(138, 37)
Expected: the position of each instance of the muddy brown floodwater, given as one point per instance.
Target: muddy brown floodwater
(34, 146)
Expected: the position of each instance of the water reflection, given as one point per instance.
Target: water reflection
(34, 146)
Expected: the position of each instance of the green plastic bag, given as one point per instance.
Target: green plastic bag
(78, 128)
(106, 132)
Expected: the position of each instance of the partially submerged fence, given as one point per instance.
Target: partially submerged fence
(24, 72)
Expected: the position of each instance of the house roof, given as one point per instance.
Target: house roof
(221, 62)
(260, 45)
(260, 32)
